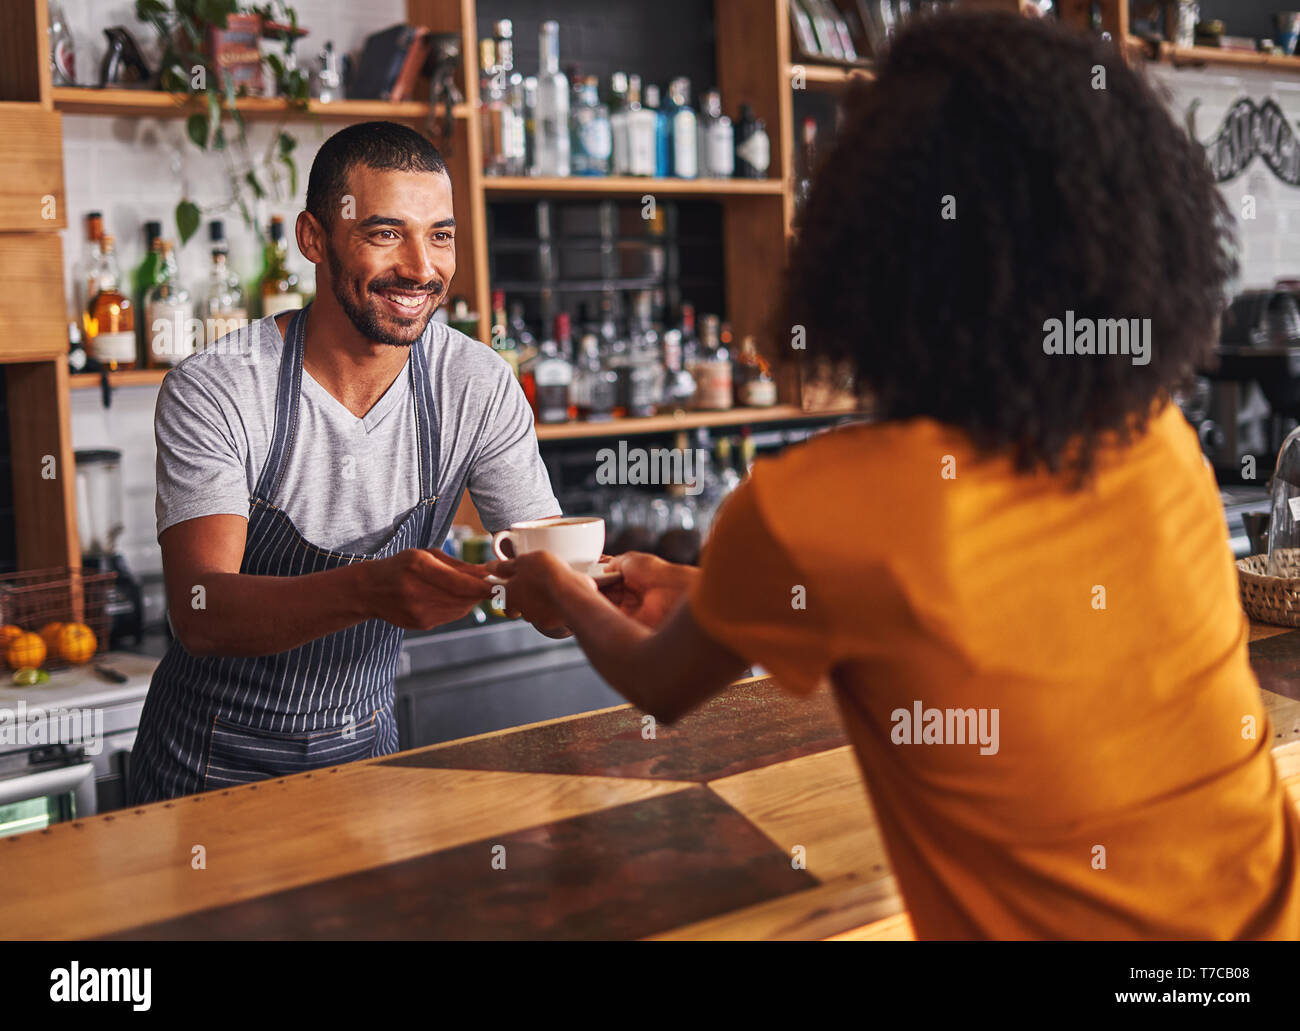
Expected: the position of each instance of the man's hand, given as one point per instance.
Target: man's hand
(650, 588)
(419, 588)
(532, 582)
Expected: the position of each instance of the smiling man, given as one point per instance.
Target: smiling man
(309, 470)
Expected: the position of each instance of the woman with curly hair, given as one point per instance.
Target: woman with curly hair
(1017, 582)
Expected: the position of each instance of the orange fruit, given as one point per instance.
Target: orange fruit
(50, 635)
(25, 650)
(77, 642)
(7, 633)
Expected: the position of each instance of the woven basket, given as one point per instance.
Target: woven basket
(1271, 599)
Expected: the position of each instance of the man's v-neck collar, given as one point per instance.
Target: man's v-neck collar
(399, 388)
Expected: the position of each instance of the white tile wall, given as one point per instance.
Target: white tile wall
(1271, 242)
(134, 170)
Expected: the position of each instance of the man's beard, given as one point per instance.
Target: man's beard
(367, 320)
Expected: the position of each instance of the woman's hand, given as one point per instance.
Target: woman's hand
(651, 588)
(533, 585)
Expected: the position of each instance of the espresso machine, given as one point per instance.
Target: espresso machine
(100, 524)
(1249, 399)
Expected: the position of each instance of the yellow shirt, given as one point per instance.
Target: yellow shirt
(1126, 789)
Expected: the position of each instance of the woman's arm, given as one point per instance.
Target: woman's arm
(665, 671)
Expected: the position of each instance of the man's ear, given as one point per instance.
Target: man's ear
(311, 237)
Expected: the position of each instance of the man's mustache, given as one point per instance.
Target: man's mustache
(434, 286)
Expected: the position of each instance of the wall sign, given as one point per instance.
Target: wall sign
(1251, 130)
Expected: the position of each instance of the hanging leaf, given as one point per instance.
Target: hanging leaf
(187, 220)
(293, 174)
(219, 138)
(287, 143)
(251, 179)
(196, 127)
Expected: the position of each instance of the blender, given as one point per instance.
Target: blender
(100, 524)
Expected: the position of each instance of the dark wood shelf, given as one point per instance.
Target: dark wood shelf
(629, 185)
(684, 421)
(133, 103)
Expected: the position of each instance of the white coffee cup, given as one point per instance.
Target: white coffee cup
(578, 541)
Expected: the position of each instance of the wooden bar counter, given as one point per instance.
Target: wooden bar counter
(584, 827)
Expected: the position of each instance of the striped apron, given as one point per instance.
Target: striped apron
(213, 722)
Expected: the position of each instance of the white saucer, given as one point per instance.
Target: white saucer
(603, 577)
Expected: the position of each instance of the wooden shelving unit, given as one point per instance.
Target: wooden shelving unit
(1185, 57)
(631, 186)
(752, 67)
(132, 103)
(125, 378)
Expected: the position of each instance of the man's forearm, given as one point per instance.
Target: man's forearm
(239, 615)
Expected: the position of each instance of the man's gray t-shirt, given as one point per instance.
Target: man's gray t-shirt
(348, 482)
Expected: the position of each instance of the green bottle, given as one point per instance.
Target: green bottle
(147, 275)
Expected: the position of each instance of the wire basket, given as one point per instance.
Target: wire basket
(34, 599)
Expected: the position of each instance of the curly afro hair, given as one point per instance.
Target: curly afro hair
(1072, 193)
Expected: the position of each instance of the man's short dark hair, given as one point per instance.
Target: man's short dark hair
(386, 146)
(1002, 172)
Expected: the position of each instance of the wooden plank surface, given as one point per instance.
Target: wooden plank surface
(31, 174)
(133, 867)
(40, 443)
(818, 802)
(32, 305)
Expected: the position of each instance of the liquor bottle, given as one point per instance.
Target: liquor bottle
(553, 376)
(684, 151)
(86, 275)
(492, 107)
(564, 347)
(753, 148)
(78, 359)
(169, 313)
(712, 369)
(279, 284)
(805, 163)
(530, 125)
(224, 307)
(147, 275)
(724, 465)
(517, 157)
(641, 374)
(461, 319)
(663, 130)
(748, 451)
(512, 110)
(752, 384)
(111, 325)
(595, 385)
(679, 384)
(552, 106)
(618, 122)
(717, 144)
(502, 342)
(641, 125)
(591, 141)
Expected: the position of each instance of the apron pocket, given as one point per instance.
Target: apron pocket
(242, 755)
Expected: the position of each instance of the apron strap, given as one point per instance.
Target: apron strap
(426, 420)
(286, 406)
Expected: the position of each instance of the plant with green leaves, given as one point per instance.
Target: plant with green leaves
(189, 73)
